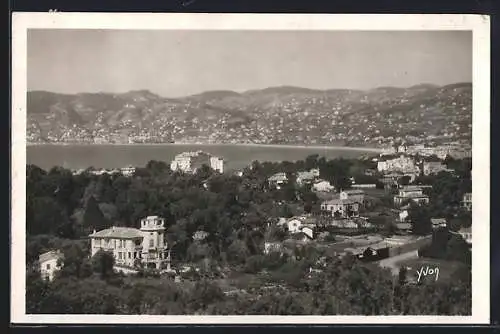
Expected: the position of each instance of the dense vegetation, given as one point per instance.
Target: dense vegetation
(62, 209)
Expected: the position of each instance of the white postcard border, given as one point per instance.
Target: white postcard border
(479, 24)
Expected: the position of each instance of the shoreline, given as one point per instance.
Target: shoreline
(286, 146)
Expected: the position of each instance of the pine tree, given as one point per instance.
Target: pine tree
(93, 218)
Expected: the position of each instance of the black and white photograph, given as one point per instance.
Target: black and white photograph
(215, 165)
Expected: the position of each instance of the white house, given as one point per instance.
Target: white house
(294, 225)
(467, 201)
(438, 222)
(323, 186)
(353, 194)
(146, 245)
(49, 263)
(403, 215)
(466, 233)
(307, 177)
(277, 179)
(411, 193)
(308, 231)
(343, 207)
(127, 171)
(402, 163)
(272, 247)
(433, 167)
(190, 162)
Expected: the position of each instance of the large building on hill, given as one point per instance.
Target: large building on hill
(131, 246)
(190, 162)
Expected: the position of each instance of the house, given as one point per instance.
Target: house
(128, 171)
(403, 215)
(411, 193)
(49, 263)
(323, 186)
(404, 227)
(146, 245)
(294, 225)
(375, 252)
(308, 231)
(353, 194)
(364, 186)
(405, 164)
(433, 167)
(190, 162)
(341, 207)
(302, 236)
(466, 233)
(200, 235)
(467, 201)
(438, 222)
(306, 177)
(277, 180)
(270, 247)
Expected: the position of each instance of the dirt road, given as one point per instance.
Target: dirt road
(392, 262)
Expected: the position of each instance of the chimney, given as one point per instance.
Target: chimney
(94, 232)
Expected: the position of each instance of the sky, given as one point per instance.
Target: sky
(179, 63)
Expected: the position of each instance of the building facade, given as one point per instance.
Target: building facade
(49, 263)
(277, 179)
(131, 246)
(467, 201)
(433, 167)
(344, 208)
(402, 163)
(411, 193)
(322, 186)
(190, 162)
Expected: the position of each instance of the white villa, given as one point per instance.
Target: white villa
(402, 163)
(49, 263)
(147, 244)
(190, 162)
(307, 176)
(322, 186)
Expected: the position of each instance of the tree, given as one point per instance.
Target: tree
(103, 263)
(404, 180)
(420, 218)
(403, 272)
(93, 218)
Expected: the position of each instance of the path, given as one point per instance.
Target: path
(392, 262)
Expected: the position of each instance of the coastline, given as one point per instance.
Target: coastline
(286, 146)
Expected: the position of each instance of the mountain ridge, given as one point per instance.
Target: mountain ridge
(273, 115)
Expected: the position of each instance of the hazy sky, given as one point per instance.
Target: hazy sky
(177, 63)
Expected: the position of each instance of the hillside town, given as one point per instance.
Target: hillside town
(378, 215)
(420, 114)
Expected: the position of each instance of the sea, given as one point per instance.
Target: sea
(236, 156)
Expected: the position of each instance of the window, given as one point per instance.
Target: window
(120, 255)
(48, 266)
(129, 255)
(151, 243)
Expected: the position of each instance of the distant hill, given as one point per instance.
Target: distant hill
(274, 115)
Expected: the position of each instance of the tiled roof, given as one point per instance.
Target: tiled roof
(118, 233)
(305, 175)
(354, 192)
(278, 176)
(340, 201)
(411, 188)
(51, 255)
(409, 196)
